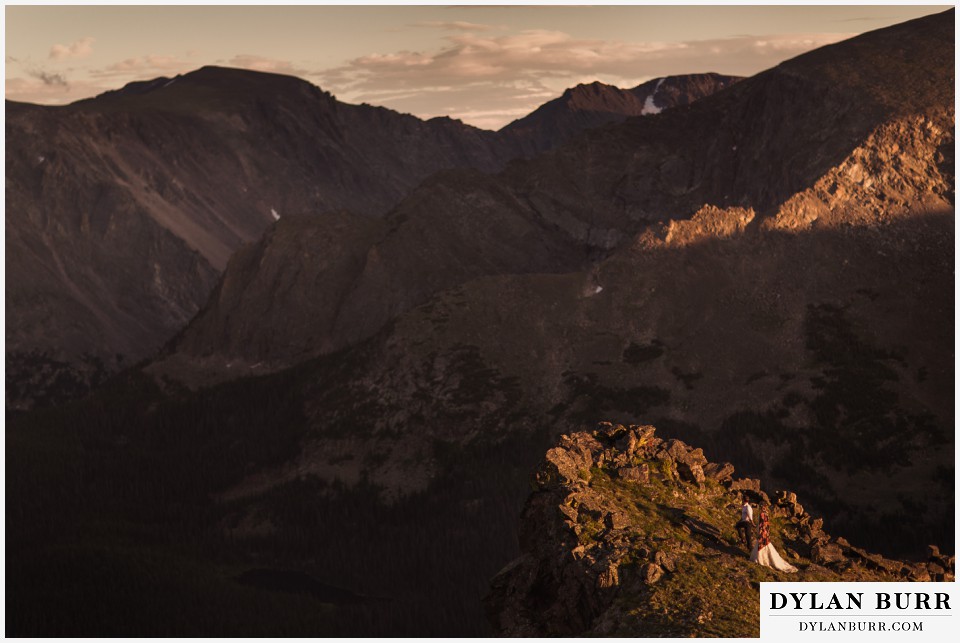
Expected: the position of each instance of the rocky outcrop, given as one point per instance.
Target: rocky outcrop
(605, 549)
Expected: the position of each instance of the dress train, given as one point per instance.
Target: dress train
(769, 557)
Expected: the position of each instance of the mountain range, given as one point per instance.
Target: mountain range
(123, 209)
(766, 272)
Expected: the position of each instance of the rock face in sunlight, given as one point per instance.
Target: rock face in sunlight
(630, 535)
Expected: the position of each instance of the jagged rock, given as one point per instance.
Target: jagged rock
(745, 484)
(617, 520)
(646, 437)
(563, 466)
(651, 573)
(665, 560)
(934, 568)
(628, 444)
(635, 474)
(611, 431)
(720, 472)
(675, 449)
(691, 472)
(588, 501)
(570, 512)
(933, 551)
(827, 554)
(750, 488)
(815, 527)
(608, 576)
(920, 575)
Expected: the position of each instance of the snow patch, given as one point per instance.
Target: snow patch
(41, 159)
(276, 215)
(591, 290)
(648, 106)
(170, 82)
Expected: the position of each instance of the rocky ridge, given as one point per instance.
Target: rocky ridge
(587, 106)
(627, 534)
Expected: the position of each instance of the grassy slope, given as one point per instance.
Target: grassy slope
(714, 590)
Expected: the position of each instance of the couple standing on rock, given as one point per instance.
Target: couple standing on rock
(762, 551)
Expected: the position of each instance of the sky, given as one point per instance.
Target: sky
(486, 65)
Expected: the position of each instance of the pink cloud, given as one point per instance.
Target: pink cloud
(141, 67)
(78, 49)
(487, 69)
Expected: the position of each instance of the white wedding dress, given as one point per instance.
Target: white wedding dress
(769, 557)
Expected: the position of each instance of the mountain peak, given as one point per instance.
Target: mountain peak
(590, 105)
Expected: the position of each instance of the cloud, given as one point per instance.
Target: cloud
(78, 49)
(141, 67)
(454, 25)
(49, 91)
(262, 63)
(49, 79)
(488, 69)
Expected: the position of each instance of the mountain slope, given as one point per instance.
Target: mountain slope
(123, 209)
(772, 143)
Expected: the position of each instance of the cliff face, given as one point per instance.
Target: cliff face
(629, 535)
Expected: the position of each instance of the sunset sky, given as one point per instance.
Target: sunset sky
(486, 65)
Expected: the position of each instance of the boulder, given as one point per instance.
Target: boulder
(919, 575)
(611, 432)
(720, 472)
(627, 444)
(665, 560)
(745, 484)
(646, 437)
(635, 474)
(695, 456)
(608, 577)
(674, 450)
(651, 573)
(563, 466)
(691, 472)
(826, 554)
(617, 520)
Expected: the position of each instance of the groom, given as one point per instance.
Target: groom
(745, 526)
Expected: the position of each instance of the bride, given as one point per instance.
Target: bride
(764, 552)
